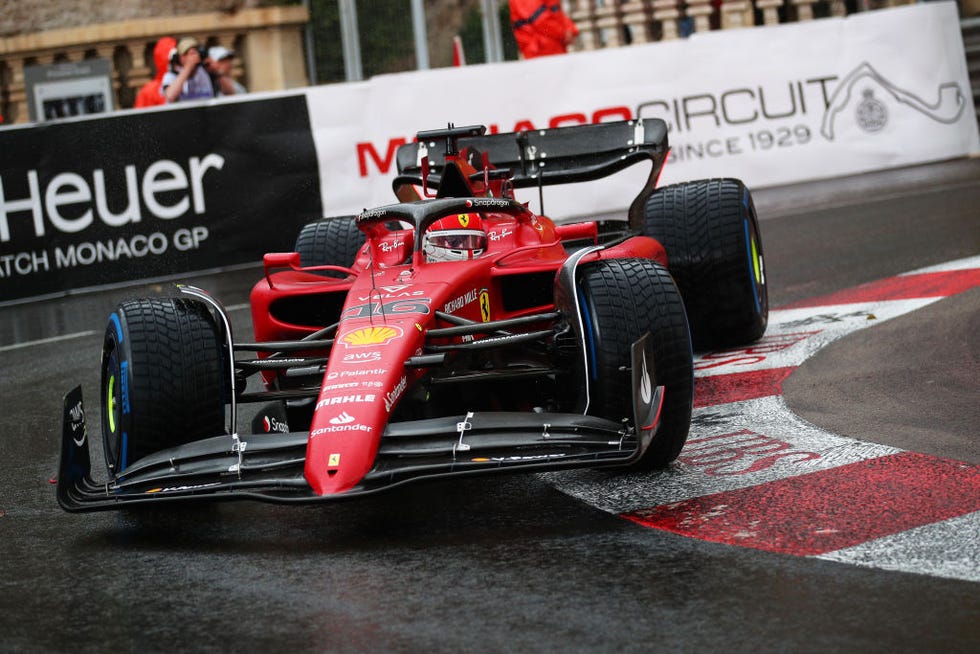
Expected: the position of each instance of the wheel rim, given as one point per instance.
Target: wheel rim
(757, 268)
(114, 443)
(111, 404)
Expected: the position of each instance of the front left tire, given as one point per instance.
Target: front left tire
(621, 300)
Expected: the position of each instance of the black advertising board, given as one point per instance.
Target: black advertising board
(150, 194)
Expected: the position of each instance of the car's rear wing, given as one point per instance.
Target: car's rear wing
(561, 155)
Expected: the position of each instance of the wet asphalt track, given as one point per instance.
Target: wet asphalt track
(510, 564)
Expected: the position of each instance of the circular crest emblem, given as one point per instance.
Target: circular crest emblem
(872, 115)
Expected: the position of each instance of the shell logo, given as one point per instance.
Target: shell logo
(371, 336)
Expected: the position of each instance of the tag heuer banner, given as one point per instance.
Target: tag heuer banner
(153, 193)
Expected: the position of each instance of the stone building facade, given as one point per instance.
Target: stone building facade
(267, 35)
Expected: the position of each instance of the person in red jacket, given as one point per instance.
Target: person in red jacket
(541, 27)
(149, 94)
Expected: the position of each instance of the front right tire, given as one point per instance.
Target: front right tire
(163, 378)
(714, 251)
(330, 242)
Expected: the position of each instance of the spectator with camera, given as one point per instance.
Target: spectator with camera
(187, 78)
(219, 64)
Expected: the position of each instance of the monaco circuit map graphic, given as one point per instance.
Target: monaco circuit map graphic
(872, 113)
(753, 474)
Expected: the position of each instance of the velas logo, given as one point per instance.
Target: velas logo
(367, 336)
(77, 415)
(646, 386)
(396, 288)
(71, 203)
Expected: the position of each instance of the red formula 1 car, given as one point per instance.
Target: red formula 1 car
(454, 332)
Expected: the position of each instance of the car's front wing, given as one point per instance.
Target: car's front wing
(269, 467)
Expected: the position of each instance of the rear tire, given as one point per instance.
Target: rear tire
(711, 233)
(330, 242)
(163, 378)
(623, 299)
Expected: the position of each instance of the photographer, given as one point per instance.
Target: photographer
(187, 79)
(219, 64)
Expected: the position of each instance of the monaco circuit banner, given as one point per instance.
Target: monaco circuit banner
(149, 194)
(771, 105)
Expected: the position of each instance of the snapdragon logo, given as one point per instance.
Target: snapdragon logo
(70, 202)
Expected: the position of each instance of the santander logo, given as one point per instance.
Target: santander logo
(343, 419)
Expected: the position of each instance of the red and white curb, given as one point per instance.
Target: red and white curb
(754, 474)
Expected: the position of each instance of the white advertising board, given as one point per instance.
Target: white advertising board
(771, 106)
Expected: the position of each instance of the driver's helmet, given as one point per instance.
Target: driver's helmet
(455, 238)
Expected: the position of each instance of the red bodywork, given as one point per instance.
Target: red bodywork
(381, 368)
(388, 308)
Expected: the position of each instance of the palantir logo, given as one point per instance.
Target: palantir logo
(871, 113)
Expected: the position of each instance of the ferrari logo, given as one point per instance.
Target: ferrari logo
(464, 219)
(485, 306)
(334, 460)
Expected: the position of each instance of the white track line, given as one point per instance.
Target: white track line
(45, 341)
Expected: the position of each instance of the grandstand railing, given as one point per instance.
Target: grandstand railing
(615, 23)
(269, 40)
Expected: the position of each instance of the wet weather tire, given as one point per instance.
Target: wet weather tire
(163, 378)
(330, 242)
(623, 299)
(711, 233)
